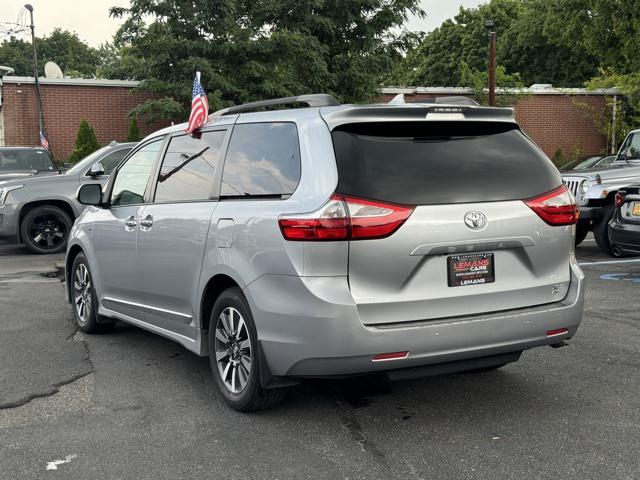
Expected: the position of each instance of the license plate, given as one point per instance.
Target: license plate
(471, 269)
(636, 209)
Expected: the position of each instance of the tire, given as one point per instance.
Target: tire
(84, 300)
(582, 230)
(233, 354)
(45, 229)
(601, 230)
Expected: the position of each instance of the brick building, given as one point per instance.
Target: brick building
(552, 117)
(103, 103)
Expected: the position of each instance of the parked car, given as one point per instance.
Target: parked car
(38, 211)
(24, 162)
(624, 228)
(595, 190)
(333, 240)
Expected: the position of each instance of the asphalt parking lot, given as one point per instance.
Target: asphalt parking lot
(132, 405)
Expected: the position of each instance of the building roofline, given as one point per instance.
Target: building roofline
(85, 82)
(533, 90)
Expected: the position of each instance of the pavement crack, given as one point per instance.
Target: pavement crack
(52, 391)
(350, 422)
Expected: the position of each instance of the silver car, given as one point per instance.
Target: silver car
(39, 210)
(333, 240)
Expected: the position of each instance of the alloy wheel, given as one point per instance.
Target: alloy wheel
(233, 350)
(82, 293)
(47, 231)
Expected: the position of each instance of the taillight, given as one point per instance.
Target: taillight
(345, 218)
(557, 207)
(619, 198)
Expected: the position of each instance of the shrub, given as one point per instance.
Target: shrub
(134, 131)
(86, 142)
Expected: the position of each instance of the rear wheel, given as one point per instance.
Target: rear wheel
(45, 229)
(233, 354)
(601, 231)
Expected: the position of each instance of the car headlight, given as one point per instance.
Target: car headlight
(4, 192)
(584, 186)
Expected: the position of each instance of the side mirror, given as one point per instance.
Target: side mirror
(96, 170)
(90, 194)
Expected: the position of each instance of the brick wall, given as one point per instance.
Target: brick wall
(104, 107)
(555, 122)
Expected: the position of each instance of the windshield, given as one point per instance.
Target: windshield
(87, 161)
(27, 160)
(588, 163)
(630, 149)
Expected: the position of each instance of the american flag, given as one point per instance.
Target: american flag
(199, 106)
(43, 141)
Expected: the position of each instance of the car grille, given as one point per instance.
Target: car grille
(572, 185)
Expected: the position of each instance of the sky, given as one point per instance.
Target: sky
(92, 23)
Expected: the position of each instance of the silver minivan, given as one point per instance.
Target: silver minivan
(333, 241)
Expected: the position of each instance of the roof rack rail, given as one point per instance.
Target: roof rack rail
(315, 100)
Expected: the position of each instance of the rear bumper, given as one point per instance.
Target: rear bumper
(625, 236)
(309, 326)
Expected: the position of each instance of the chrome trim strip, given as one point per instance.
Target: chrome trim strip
(170, 314)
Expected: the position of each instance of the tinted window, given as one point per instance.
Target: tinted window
(431, 163)
(263, 159)
(112, 160)
(131, 180)
(25, 160)
(188, 167)
(87, 161)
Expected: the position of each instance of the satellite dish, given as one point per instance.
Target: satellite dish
(52, 70)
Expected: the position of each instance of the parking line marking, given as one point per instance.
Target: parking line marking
(608, 262)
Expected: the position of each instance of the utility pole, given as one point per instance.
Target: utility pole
(490, 26)
(35, 72)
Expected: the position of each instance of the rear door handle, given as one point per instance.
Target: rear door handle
(146, 223)
(130, 223)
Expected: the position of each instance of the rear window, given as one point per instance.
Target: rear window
(433, 163)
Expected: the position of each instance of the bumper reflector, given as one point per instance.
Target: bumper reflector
(557, 331)
(381, 357)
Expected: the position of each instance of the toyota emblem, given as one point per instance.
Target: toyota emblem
(475, 220)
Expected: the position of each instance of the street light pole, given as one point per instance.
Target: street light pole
(490, 26)
(35, 71)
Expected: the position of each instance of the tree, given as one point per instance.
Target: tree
(477, 80)
(525, 46)
(254, 50)
(63, 47)
(86, 142)
(134, 132)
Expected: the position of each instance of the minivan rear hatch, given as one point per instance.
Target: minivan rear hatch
(471, 245)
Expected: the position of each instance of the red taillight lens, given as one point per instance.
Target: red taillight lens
(556, 208)
(345, 218)
(557, 331)
(619, 198)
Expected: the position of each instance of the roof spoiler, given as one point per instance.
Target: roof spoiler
(416, 112)
(315, 100)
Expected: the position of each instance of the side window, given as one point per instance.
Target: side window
(188, 167)
(112, 160)
(262, 159)
(131, 180)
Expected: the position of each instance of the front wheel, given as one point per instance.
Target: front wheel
(582, 230)
(84, 298)
(45, 229)
(233, 354)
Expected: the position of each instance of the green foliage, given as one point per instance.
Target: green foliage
(510, 83)
(134, 131)
(254, 50)
(86, 142)
(75, 58)
(523, 46)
